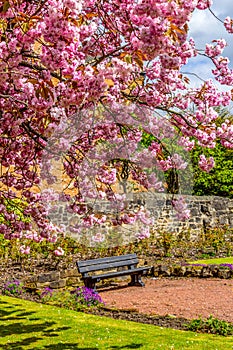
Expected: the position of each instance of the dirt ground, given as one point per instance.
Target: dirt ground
(180, 297)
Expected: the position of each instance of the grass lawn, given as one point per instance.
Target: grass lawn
(27, 325)
(228, 260)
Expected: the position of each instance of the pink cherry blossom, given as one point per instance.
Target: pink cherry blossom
(228, 23)
(59, 251)
(206, 164)
(181, 208)
(25, 249)
(143, 233)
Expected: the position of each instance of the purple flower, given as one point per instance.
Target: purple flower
(228, 265)
(47, 292)
(186, 264)
(14, 287)
(204, 265)
(87, 296)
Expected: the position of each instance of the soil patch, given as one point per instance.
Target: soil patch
(187, 298)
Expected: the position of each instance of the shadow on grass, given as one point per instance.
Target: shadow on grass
(130, 346)
(13, 313)
(7, 314)
(21, 345)
(66, 346)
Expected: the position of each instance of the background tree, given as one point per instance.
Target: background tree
(219, 181)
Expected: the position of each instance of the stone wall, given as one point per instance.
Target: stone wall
(198, 270)
(206, 211)
(71, 278)
(54, 279)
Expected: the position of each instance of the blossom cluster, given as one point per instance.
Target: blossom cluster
(206, 164)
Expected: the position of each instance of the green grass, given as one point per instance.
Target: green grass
(27, 325)
(228, 260)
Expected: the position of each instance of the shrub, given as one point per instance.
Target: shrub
(62, 299)
(167, 241)
(211, 325)
(13, 288)
(80, 298)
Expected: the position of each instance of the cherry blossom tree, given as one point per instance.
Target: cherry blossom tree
(81, 82)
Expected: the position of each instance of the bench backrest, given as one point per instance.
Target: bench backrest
(111, 262)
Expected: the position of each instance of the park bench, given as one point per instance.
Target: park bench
(95, 270)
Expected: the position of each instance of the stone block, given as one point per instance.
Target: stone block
(42, 285)
(223, 220)
(206, 272)
(193, 226)
(58, 284)
(69, 273)
(165, 270)
(197, 271)
(214, 270)
(32, 279)
(194, 212)
(48, 277)
(182, 270)
(188, 271)
(198, 219)
(176, 270)
(224, 273)
(30, 285)
(74, 281)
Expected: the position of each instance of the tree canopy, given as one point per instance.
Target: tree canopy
(80, 82)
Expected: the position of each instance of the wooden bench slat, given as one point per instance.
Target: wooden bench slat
(106, 260)
(110, 265)
(142, 270)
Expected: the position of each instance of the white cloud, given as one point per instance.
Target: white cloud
(204, 28)
(222, 8)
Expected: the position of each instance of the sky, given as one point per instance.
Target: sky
(204, 27)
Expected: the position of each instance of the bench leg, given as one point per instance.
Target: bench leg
(136, 280)
(90, 284)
